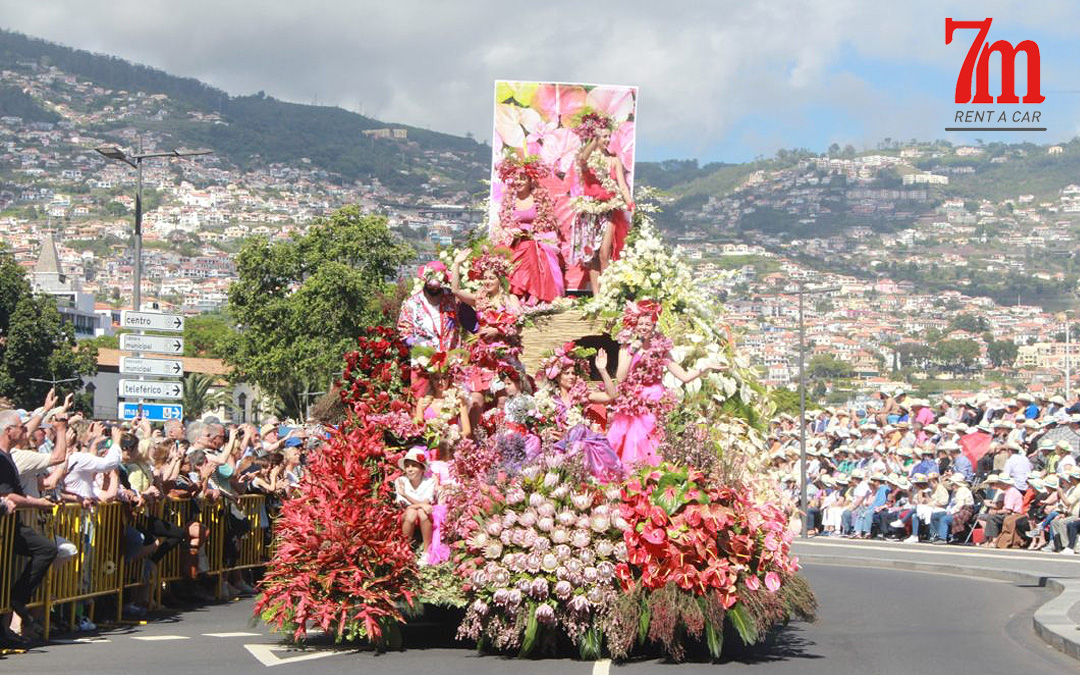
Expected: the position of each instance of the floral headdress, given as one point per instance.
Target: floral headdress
(513, 168)
(567, 357)
(514, 171)
(434, 271)
(632, 316)
(591, 124)
(490, 262)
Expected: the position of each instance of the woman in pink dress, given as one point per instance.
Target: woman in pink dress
(602, 223)
(527, 221)
(494, 368)
(635, 430)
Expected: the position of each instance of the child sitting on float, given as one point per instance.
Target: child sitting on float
(417, 493)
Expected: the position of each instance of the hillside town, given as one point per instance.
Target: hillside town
(878, 219)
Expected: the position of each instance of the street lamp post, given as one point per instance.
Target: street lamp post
(135, 160)
(803, 499)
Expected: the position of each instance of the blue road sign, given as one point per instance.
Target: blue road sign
(155, 412)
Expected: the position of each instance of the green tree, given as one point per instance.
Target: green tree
(955, 355)
(969, 323)
(1001, 352)
(207, 335)
(786, 401)
(39, 345)
(200, 396)
(827, 367)
(300, 305)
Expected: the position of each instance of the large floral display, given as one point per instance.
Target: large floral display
(613, 500)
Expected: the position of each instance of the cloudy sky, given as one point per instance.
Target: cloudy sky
(720, 80)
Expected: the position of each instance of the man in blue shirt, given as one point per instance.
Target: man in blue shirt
(926, 465)
(1031, 411)
(959, 462)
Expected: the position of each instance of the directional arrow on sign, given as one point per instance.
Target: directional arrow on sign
(158, 344)
(130, 365)
(151, 389)
(151, 321)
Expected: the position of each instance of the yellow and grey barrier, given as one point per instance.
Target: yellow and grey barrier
(99, 568)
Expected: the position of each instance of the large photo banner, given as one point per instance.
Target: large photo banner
(562, 179)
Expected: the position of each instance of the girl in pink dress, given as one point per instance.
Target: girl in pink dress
(636, 427)
(494, 368)
(528, 225)
(600, 229)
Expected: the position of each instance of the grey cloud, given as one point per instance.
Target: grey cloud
(702, 66)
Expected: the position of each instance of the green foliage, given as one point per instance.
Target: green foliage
(37, 343)
(207, 335)
(744, 624)
(1001, 352)
(300, 305)
(102, 342)
(199, 396)
(827, 367)
(14, 101)
(786, 401)
(969, 322)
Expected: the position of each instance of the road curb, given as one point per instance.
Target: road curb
(1051, 620)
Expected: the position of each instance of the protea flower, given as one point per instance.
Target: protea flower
(621, 553)
(586, 556)
(599, 523)
(494, 527)
(581, 501)
(514, 597)
(545, 524)
(508, 519)
(527, 518)
(580, 538)
(579, 604)
(549, 563)
(545, 614)
(479, 578)
(493, 550)
(546, 510)
(560, 535)
(541, 544)
(480, 607)
(477, 540)
(560, 492)
(536, 499)
(551, 480)
(563, 589)
(539, 588)
(606, 570)
(604, 548)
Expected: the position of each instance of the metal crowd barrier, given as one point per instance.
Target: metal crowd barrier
(99, 568)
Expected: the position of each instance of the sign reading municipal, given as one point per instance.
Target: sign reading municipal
(158, 344)
(129, 365)
(154, 412)
(151, 389)
(151, 321)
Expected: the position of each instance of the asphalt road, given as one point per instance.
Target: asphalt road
(872, 621)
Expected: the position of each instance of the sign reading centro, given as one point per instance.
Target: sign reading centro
(151, 321)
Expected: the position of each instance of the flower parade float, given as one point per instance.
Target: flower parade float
(551, 531)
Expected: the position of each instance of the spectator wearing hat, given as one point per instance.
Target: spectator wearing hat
(859, 501)
(1017, 466)
(1049, 504)
(877, 498)
(926, 464)
(416, 494)
(954, 518)
(1007, 501)
(1069, 511)
(1065, 460)
(958, 461)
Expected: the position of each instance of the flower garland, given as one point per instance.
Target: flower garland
(444, 427)
(648, 371)
(515, 174)
(567, 357)
(490, 263)
(597, 163)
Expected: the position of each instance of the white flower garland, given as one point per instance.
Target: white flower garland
(597, 162)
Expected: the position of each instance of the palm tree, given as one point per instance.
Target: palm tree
(198, 396)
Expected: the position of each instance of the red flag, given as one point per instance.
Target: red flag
(975, 445)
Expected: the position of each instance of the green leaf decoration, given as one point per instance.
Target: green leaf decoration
(643, 622)
(714, 639)
(744, 624)
(670, 493)
(590, 644)
(532, 629)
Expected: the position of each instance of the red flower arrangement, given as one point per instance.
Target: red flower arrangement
(375, 374)
(342, 564)
(591, 124)
(705, 539)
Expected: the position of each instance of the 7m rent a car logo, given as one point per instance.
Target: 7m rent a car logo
(976, 68)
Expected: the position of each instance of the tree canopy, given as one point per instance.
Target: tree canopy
(35, 342)
(300, 305)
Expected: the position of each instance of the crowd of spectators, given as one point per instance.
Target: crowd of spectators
(52, 456)
(997, 472)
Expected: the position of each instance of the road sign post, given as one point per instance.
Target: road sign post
(154, 412)
(173, 323)
(166, 389)
(156, 344)
(130, 365)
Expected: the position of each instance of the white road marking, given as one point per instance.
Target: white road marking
(82, 640)
(158, 638)
(601, 667)
(926, 550)
(970, 577)
(265, 655)
(228, 635)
